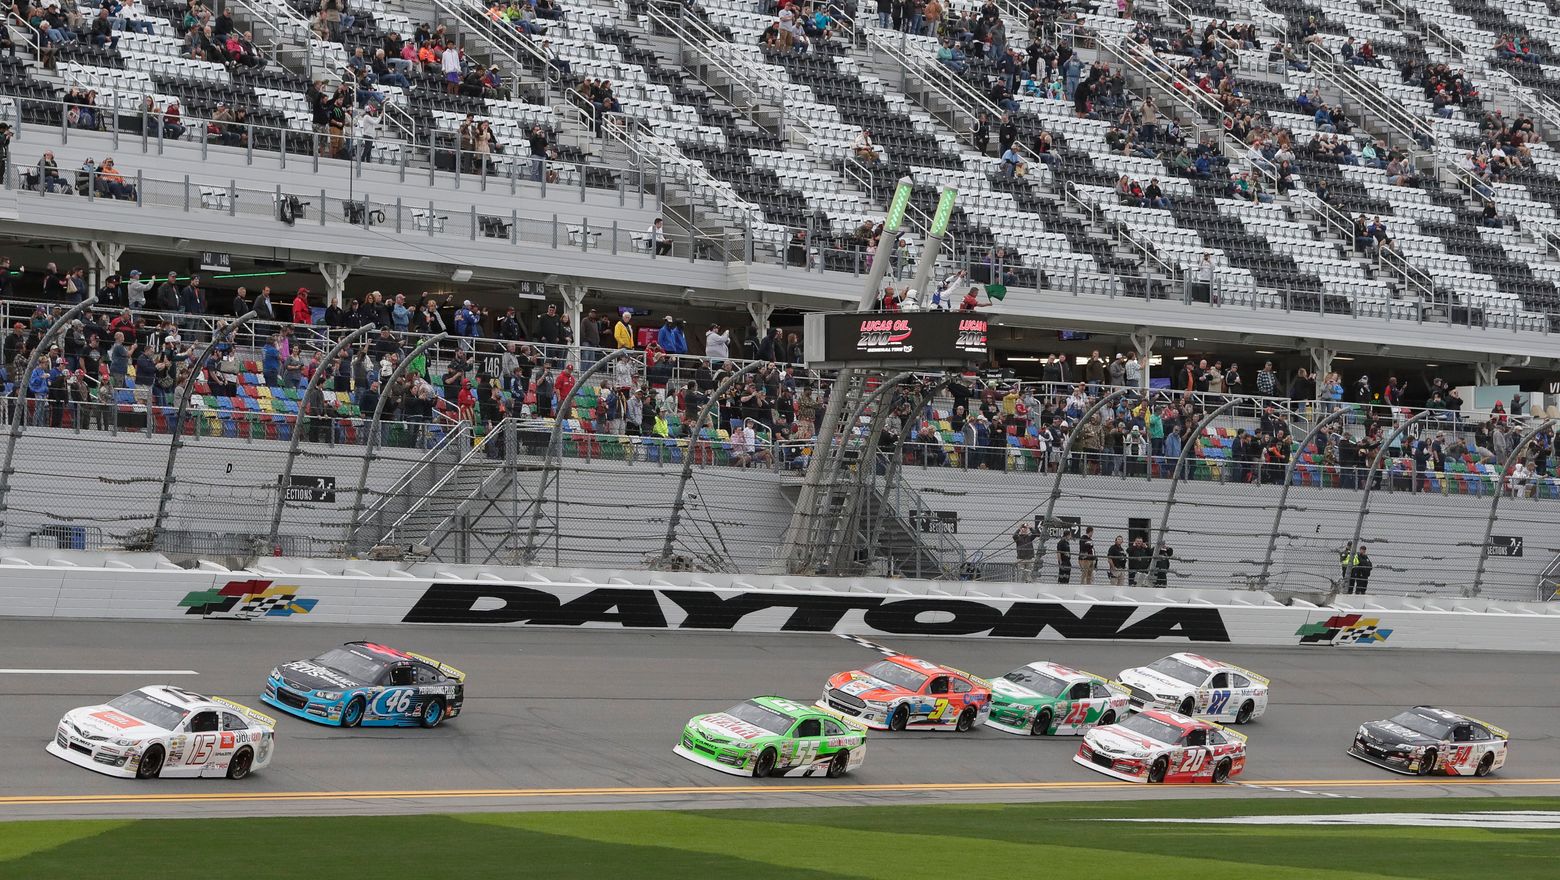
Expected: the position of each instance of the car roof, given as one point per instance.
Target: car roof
(926, 667)
(384, 651)
(788, 708)
(1056, 670)
(1199, 661)
(1184, 723)
(178, 696)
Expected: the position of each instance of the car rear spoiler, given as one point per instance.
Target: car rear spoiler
(1226, 731)
(853, 723)
(1493, 729)
(247, 712)
(440, 665)
(1259, 679)
(1108, 682)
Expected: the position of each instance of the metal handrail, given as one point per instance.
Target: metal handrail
(459, 428)
(692, 34)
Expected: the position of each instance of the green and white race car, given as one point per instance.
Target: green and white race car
(1045, 698)
(772, 736)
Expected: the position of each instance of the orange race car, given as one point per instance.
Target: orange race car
(902, 692)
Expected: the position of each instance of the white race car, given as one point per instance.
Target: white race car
(1196, 686)
(161, 730)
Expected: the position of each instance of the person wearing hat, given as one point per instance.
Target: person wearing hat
(670, 337)
(136, 290)
(302, 312)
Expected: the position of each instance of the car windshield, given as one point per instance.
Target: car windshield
(896, 675)
(1037, 681)
(151, 711)
(1434, 728)
(758, 716)
(358, 667)
(1154, 730)
(1179, 670)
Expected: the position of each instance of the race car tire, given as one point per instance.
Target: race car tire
(1186, 707)
(432, 713)
(1246, 710)
(352, 715)
(1221, 772)
(151, 763)
(242, 761)
(1486, 764)
(839, 764)
(764, 764)
(966, 721)
(1042, 723)
(1108, 718)
(1427, 763)
(1158, 769)
(899, 719)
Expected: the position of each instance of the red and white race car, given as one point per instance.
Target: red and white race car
(1159, 746)
(901, 692)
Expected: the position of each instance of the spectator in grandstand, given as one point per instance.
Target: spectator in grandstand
(717, 343)
(302, 312)
(1116, 559)
(671, 337)
(623, 331)
(657, 237)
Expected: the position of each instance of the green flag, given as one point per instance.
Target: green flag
(996, 292)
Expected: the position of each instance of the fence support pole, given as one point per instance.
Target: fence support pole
(177, 440)
(298, 424)
(1283, 494)
(373, 432)
(554, 447)
(1375, 463)
(18, 412)
(679, 501)
(1500, 478)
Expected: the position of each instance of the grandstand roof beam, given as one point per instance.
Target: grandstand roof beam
(335, 275)
(1143, 341)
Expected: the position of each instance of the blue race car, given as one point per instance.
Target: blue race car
(369, 685)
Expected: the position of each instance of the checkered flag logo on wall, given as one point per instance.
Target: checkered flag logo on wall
(247, 600)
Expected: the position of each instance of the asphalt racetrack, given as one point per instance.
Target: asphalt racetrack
(562, 719)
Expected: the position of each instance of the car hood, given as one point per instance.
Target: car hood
(860, 684)
(1143, 678)
(308, 675)
(1396, 734)
(1010, 691)
(721, 726)
(1114, 740)
(106, 721)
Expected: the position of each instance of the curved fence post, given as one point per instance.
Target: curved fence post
(1283, 494)
(297, 431)
(1375, 464)
(1500, 479)
(1067, 445)
(373, 430)
(554, 441)
(18, 414)
(176, 442)
(678, 500)
(1180, 468)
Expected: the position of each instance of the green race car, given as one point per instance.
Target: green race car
(1046, 698)
(772, 736)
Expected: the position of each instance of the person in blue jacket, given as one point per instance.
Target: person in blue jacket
(671, 338)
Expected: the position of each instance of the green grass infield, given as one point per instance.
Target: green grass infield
(890, 842)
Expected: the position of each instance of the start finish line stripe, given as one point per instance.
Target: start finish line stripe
(98, 672)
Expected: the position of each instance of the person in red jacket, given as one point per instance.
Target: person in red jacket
(563, 385)
(301, 312)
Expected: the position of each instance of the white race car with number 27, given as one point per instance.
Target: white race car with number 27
(161, 730)
(1197, 687)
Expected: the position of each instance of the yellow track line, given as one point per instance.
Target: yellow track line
(625, 792)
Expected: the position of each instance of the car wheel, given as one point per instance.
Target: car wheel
(151, 763)
(1486, 764)
(243, 759)
(1427, 763)
(352, 715)
(1244, 715)
(839, 764)
(1108, 718)
(1221, 773)
(432, 713)
(899, 718)
(765, 764)
(1158, 769)
(1042, 723)
(1186, 707)
(966, 721)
